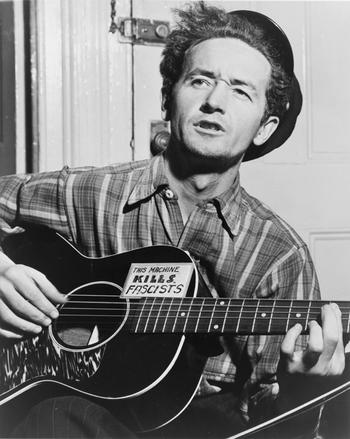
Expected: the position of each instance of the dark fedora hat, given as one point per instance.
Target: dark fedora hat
(285, 58)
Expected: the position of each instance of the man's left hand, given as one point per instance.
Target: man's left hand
(324, 354)
(304, 374)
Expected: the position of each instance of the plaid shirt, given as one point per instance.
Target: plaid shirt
(244, 249)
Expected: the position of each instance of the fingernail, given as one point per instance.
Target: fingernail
(335, 306)
(298, 327)
(37, 329)
(47, 322)
(54, 314)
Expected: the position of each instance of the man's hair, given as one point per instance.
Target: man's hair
(199, 22)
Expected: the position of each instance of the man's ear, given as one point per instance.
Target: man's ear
(266, 130)
(165, 108)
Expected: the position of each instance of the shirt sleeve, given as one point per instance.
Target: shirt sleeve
(36, 199)
(292, 278)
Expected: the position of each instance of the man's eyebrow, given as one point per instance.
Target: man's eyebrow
(212, 75)
(198, 71)
(244, 83)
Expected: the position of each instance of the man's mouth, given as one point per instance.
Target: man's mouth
(209, 126)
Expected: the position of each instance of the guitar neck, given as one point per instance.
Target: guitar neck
(236, 316)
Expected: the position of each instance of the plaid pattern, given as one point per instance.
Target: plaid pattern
(242, 247)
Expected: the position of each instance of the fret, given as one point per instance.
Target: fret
(298, 314)
(280, 316)
(230, 317)
(149, 315)
(190, 307)
(217, 319)
(271, 317)
(256, 312)
(228, 305)
(290, 309)
(194, 314)
(159, 316)
(176, 315)
(167, 315)
(199, 316)
(249, 310)
(240, 316)
(156, 312)
(211, 318)
(206, 315)
(182, 316)
(263, 317)
(308, 315)
(140, 316)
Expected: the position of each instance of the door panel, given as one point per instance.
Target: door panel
(84, 83)
(306, 181)
(7, 90)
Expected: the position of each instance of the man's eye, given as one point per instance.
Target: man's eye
(200, 82)
(241, 93)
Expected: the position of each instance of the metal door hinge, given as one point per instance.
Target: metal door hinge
(143, 31)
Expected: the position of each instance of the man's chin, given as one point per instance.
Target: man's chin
(212, 157)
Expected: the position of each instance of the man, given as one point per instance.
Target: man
(230, 94)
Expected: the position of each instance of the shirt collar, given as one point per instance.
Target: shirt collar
(229, 206)
(151, 179)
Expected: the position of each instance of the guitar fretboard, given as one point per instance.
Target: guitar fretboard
(237, 316)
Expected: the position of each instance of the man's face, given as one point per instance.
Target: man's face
(218, 102)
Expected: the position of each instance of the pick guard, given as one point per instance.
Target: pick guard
(39, 357)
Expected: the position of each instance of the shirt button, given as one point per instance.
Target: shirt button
(169, 194)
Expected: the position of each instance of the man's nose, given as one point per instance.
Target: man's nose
(216, 99)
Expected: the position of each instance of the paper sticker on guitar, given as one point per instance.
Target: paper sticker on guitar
(158, 280)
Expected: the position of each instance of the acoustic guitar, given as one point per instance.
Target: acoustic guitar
(125, 334)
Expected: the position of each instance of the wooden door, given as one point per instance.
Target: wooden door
(7, 90)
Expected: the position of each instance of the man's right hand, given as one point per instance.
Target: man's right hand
(27, 300)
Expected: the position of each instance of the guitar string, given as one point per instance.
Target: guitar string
(107, 316)
(112, 323)
(178, 318)
(207, 307)
(145, 315)
(211, 304)
(147, 311)
(210, 311)
(287, 303)
(218, 302)
(212, 308)
(192, 319)
(209, 299)
(314, 311)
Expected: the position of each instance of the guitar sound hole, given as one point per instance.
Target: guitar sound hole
(92, 315)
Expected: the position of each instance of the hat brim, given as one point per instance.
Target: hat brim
(284, 129)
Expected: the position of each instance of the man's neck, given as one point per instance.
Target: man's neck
(194, 182)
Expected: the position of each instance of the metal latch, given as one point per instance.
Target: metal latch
(143, 31)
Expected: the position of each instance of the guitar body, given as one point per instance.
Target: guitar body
(150, 378)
